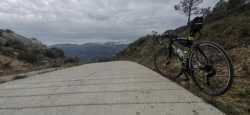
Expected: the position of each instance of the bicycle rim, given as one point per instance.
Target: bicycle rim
(166, 65)
(214, 56)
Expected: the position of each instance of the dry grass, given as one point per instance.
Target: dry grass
(234, 102)
(230, 31)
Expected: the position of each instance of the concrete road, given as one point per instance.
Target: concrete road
(113, 88)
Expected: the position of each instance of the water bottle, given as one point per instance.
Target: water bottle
(180, 53)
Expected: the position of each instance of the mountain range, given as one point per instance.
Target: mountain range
(91, 51)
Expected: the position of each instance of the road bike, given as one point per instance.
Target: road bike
(206, 63)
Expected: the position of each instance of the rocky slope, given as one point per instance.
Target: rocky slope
(228, 25)
(19, 54)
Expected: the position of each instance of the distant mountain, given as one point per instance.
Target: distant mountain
(91, 51)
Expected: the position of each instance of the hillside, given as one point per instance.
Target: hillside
(228, 25)
(91, 51)
(21, 54)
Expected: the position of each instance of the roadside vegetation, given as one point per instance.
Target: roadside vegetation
(19, 54)
(227, 24)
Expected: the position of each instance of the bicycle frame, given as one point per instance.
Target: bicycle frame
(193, 60)
(171, 47)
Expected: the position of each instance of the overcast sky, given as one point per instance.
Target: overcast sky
(81, 21)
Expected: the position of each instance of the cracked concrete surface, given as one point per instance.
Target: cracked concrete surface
(112, 88)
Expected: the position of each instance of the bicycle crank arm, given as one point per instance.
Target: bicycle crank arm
(211, 73)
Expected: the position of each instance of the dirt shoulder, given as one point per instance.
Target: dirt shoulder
(16, 76)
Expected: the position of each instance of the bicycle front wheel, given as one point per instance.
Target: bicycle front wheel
(167, 64)
(211, 68)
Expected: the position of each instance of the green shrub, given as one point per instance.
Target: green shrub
(72, 60)
(55, 53)
(29, 56)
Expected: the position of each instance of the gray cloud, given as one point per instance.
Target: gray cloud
(80, 21)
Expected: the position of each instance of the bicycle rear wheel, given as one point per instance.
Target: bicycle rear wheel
(211, 68)
(167, 64)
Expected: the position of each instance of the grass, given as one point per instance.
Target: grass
(234, 102)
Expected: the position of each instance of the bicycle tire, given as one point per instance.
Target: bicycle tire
(163, 62)
(229, 64)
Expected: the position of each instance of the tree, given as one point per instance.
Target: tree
(190, 7)
(205, 11)
(220, 6)
(55, 53)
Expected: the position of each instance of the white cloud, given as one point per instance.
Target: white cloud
(79, 21)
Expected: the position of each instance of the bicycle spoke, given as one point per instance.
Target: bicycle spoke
(167, 64)
(211, 69)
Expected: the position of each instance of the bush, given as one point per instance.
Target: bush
(72, 60)
(17, 45)
(9, 31)
(55, 53)
(31, 56)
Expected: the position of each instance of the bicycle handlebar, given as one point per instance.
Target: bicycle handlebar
(168, 36)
